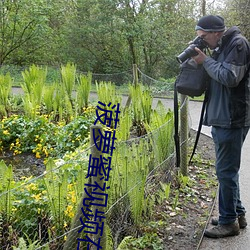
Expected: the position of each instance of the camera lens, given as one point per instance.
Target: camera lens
(187, 53)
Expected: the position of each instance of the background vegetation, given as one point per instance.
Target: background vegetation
(104, 36)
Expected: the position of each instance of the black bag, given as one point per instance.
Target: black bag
(192, 80)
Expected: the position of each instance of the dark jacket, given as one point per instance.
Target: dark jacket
(229, 90)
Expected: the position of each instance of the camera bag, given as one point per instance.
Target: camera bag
(192, 79)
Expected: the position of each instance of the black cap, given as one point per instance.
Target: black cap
(210, 23)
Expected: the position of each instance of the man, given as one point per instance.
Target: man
(228, 112)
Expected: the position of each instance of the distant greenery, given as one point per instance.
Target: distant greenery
(105, 36)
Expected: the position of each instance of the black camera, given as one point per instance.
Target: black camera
(190, 51)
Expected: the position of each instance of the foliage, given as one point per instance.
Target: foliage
(147, 241)
(161, 128)
(141, 110)
(23, 28)
(34, 81)
(68, 74)
(22, 245)
(105, 36)
(5, 90)
(43, 137)
(83, 90)
(106, 92)
(6, 184)
(51, 200)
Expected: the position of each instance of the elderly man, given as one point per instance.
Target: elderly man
(228, 112)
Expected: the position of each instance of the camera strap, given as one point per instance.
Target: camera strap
(199, 127)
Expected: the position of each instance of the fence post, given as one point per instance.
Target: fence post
(135, 82)
(96, 153)
(71, 242)
(135, 74)
(184, 135)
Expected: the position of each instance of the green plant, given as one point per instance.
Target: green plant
(30, 208)
(83, 91)
(29, 245)
(106, 92)
(6, 184)
(48, 98)
(184, 181)
(5, 90)
(56, 187)
(123, 130)
(34, 81)
(147, 241)
(129, 172)
(43, 137)
(161, 132)
(164, 192)
(176, 199)
(141, 110)
(68, 74)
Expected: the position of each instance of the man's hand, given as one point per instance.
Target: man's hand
(200, 58)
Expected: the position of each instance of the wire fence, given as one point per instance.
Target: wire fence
(38, 214)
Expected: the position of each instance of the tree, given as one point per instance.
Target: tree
(237, 13)
(20, 22)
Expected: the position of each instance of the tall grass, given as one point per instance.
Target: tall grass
(5, 90)
(33, 86)
(161, 129)
(6, 184)
(83, 91)
(68, 74)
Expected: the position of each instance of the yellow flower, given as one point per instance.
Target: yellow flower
(38, 155)
(6, 132)
(31, 187)
(14, 209)
(73, 199)
(69, 211)
(37, 196)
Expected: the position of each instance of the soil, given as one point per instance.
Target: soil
(24, 164)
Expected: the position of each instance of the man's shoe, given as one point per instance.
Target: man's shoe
(221, 231)
(241, 219)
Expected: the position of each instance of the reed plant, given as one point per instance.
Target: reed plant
(48, 98)
(106, 92)
(141, 104)
(62, 106)
(83, 91)
(161, 129)
(6, 184)
(56, 184)
(34, 80)
(5, 90)
(125, 124)
(68, 74)
(129, 172)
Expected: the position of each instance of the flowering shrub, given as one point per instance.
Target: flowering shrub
(43, 137)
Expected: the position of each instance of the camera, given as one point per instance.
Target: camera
(190, 51)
